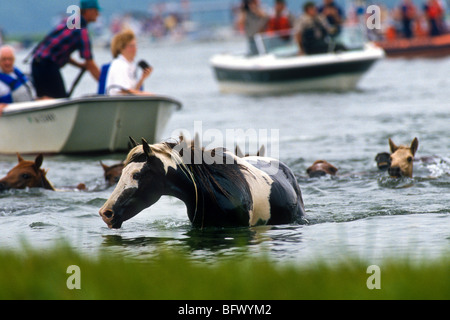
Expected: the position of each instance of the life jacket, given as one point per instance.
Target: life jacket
(12, 83)
(102, 80)
(278, 24)
(434, 11)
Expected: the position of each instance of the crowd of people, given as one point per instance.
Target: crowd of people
(55, 51)
(408, 20)
(311, 29)
(318, 23)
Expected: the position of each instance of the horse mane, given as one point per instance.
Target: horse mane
(207, 177)
(214, 176)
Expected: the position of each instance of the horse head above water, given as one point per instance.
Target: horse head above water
(321, 168)
(112, 173)
(26, 174)
(402, 158)
(227, 192)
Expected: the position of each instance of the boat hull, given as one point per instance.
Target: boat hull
(99, 124)
(421, 47)
(272, 75)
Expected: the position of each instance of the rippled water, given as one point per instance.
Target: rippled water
(360, 212)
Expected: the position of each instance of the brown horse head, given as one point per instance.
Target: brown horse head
(402, 159)
(26, 174)
(112, 173)
(320, 168)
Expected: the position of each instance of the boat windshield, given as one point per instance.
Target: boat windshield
(283, 43)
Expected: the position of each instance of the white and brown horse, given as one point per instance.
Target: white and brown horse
(227, 192)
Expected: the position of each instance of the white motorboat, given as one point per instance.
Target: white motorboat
(278, 68)
(92, 124)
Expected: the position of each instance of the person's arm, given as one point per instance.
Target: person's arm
(86, 54)
(2, 106)
(298, 34)
(145, 74)
(89, 65)
(92, 67)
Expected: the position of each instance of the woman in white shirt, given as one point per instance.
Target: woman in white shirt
(122, 77)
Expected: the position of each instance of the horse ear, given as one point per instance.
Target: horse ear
(147, 149)
(19, 157)
(262, 151)
(104, 166)
(38, 161)
(238, 152)
(392, 145)
(414, 146)
(333, 169)
(133, 142)
(197, 142)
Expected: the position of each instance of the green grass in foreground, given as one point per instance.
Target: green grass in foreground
(171, 275)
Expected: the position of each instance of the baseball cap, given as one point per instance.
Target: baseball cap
(89, 4)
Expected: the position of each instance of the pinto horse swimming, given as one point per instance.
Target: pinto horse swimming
(227, 192)
(26, 174)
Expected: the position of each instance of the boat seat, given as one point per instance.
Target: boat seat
(102, 80)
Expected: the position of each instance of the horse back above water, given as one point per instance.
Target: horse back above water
(227, 193)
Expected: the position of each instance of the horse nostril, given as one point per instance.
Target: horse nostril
(108, 214)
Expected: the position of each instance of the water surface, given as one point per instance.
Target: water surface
(360, 212)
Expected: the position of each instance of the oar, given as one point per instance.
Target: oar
(75, 83)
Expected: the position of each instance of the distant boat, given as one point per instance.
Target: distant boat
(95, 124)
(278, 68)
(430, 47)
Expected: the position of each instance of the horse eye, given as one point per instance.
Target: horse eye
(409, 159)
(26, 176)
(136, 176)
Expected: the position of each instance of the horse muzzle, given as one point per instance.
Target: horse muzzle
(109, 218)
(395, 172)
(3, 186)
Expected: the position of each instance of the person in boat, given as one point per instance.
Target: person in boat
(14, 85)
(122, 73)
(54, 52)
(253, 19)
(407, 16)
(434, 13)
(334, 15)
(281, 19)
(312, 31)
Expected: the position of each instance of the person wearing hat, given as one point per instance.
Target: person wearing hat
(55, 51)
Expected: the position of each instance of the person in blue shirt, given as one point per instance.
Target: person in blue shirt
(14, 85)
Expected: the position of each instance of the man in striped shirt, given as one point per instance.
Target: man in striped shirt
(56, 49)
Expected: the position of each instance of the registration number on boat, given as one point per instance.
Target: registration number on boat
(41, 118)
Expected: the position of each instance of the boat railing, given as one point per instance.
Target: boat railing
(284, 44)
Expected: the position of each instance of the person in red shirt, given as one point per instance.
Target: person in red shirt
(281, 20)
(435, 14)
